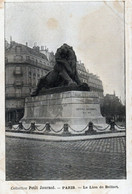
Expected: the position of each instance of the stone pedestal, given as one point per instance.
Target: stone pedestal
(77, 108)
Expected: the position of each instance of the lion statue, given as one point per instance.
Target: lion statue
(64, 73)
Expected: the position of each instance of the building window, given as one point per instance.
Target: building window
(18, 70)
(18, 49)
(34, 75)
(27, 58)
(29, 74)
(18, 84)
(32, 60)
(18, 58)
(6, 59)
(18, 92)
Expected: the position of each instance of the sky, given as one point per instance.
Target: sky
(95, 30)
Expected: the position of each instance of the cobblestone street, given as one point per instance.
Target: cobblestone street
(40, 160)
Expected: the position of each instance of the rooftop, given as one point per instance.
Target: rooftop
(35, 50)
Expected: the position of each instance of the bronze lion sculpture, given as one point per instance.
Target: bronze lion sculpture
(64, 73)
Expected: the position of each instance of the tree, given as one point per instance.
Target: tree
(112, 108)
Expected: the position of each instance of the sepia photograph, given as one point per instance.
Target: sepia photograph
(65, 91)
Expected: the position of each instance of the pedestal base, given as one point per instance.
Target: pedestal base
(76, 108)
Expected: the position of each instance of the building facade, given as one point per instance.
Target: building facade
(23, 66)
(92, 80)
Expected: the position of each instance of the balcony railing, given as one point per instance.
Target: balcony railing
(18, 83)
(16, 95)
(29, 61)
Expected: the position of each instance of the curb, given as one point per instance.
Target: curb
(50, 137)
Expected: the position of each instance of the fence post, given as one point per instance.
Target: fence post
(66, 131)
(32, 126)
(10, 125)
(112, 125)
(20, 126)
(90, 129)
(48, 129)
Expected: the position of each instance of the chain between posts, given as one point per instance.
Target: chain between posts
(40, 129)
(47, 128)
(58, 130)
(101, 129)
(119, 126)
(77, 131)
(27, 129)
(15, 128)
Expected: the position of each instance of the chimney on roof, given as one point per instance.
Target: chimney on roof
(42, 48)
(11, 42)
(37, 49)
(10, 39)
(26, 43)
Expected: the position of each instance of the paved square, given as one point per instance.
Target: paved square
(90, 159)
